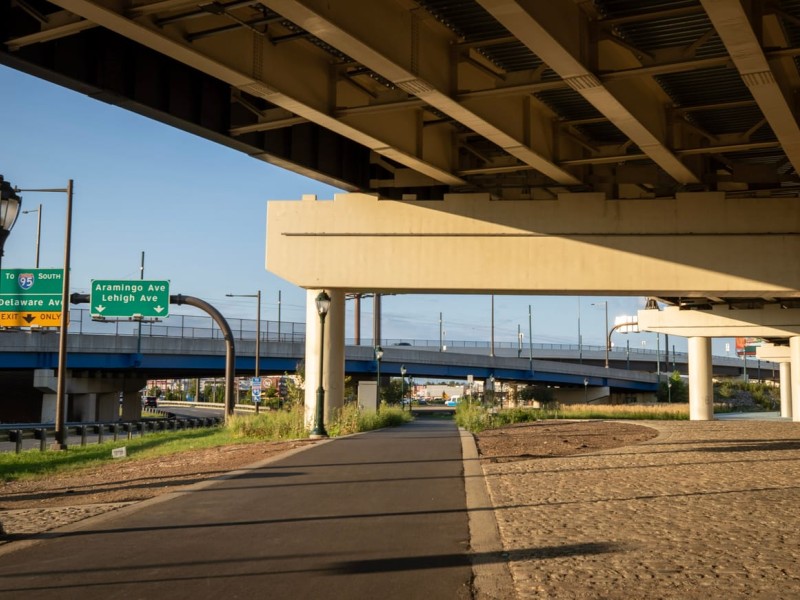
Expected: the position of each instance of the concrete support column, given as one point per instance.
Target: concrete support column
(701, 389)
(84, 407)
(108, 406)
(49, 408)
(131, 406)
(786, 390)
(333, 367)
(794, 353)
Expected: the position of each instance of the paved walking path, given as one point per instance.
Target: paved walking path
(378, 515)
(705, 510)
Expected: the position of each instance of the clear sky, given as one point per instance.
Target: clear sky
(197, 210)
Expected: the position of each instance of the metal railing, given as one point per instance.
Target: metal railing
(185, 326)
(81, 432)
(203, 327)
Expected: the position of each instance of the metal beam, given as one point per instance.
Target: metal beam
(237, 76)
(736, 32)
(378, 60)
(531, 32)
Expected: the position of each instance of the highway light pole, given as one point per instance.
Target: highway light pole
(257, 295)
(61, 400)
(38, 212)
(606, 333)
(323, 303)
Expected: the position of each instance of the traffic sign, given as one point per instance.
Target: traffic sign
(30, 297)
(255, 384)
(30, 319)
(133, 298)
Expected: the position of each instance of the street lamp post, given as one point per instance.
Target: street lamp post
(403, 372)
(38, 212)
(323, 302)
(607, 334)
(585, 390)
(9, 211)
(257, 295)
(530, 338)
(60, 434)
(378, 357)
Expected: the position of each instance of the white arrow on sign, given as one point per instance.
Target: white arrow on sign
(158, 309)
(100, 308)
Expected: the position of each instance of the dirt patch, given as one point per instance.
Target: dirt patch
(133, 480)
(546, 439)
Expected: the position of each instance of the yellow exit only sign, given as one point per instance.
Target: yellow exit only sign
(30, 319)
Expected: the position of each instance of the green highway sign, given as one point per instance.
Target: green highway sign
(133, 298)
(31, 290)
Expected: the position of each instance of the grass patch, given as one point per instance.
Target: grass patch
(351, 420)
(241, 429)
(476, 418)
(32, 463)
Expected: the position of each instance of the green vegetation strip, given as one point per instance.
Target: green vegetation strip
(267, 426)
(476, 418)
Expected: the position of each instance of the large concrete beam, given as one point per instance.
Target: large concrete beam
(578, 244)
(721, 321)
(773, 352)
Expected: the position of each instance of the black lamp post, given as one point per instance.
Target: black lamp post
(378, 357)
(323, 302)
(9, 211)
(403, 372)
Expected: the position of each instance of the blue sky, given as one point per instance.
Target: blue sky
(198, 211)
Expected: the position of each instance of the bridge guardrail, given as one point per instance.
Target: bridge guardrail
(43, 432)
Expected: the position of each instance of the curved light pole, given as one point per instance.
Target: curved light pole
(323, 303)
(378, 357)
(403, 372)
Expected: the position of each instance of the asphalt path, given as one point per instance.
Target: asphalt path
(376, 515)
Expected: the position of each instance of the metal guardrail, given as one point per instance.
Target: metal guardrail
(16, 434)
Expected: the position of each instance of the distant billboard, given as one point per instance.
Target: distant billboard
(746, 346)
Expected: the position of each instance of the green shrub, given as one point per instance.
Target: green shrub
(270, 425)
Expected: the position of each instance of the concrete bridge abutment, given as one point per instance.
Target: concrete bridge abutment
(90, 398)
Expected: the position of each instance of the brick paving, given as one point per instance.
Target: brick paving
(704, 510)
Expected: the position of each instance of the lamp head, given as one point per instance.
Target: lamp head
(403, 370)
(323, 302)
(378, 352)
(10, 203)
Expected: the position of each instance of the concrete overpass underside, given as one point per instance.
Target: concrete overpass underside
(611, 146)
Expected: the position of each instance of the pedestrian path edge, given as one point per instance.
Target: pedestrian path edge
(492, 577)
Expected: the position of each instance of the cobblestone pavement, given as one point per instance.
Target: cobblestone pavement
(704, 510)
